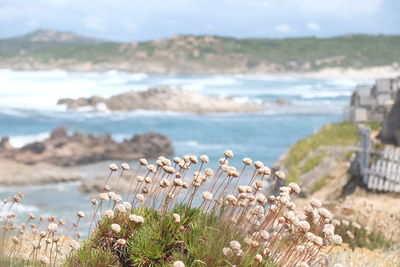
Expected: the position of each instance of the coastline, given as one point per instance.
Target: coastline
(368, 73)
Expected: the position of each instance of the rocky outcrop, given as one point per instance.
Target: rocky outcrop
(390, 133)
(63, 149)
(162, 98)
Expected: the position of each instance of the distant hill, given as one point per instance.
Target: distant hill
(47, 49)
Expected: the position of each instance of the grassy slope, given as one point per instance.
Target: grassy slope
(291, 54)
(336, 134)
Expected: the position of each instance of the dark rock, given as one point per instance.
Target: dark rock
(64, 150)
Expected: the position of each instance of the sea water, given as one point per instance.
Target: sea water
(28, 112)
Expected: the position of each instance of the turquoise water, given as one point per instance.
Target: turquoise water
(28, 112)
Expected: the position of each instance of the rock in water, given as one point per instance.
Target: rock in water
(64, 150)
(163, 98)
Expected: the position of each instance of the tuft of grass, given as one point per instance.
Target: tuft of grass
(363, 237)
(319, 184)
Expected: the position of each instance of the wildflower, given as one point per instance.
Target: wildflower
(258, 164)
(325, 213)
(139, 197)
(148, 180)
(116, 198)
(94, 202)
(204, 158)
(178, 264)
(116, 228)
(104, 196)
(208, 172)
(121, 242)
(207, 196)
(239, 253)
(258, 258)
(234, 245)
(120, 208)
(80, 214)
(247, 161)
(228, 153)
(345, 223)
(143, 162)
(177, 217)
(294, 188)
(109, 214)
(125, 166)
(113, 167)
(32, 216)
(178, 182)
(328, 229)
(280, 175)
(223, 161)
(315, 203)
(136, 219)
(337, 239)
(304, 226)
(52, 228)
(44, 260)
(266, 251)
(151, 168)
(127, 205)
(227, 252)
(74, 245)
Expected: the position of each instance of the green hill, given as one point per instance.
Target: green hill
(46, 49)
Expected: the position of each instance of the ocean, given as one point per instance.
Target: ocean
(28, 112)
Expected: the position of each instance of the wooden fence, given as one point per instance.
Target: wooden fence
(379, 169)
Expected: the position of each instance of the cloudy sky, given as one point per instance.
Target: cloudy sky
(133, 20)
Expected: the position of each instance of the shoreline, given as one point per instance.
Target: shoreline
(368, 73)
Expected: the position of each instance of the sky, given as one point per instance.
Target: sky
(134, 20)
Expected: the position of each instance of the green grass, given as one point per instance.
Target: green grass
(335, 134)
(197, 241)
(363, 238)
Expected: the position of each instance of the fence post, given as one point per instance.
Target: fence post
(365, 141)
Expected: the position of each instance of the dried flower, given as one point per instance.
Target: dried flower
(44, 260)
(204, 158)
(121, 242)
(178, 264)
(80, 214)
(228, 153)
(104, 196)
(227, 252)
(177, 217)
(143, 162)
(109, 214)
(139, 197)
(258, 258)
(125, 166)
(280, 175)
(234, 245)
(116, 228)
(136, 219)
(207, 195)
(74, 245)
(120, 208)
(113, 167)
(52, 228)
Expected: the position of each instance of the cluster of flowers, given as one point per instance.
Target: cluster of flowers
(38, 239)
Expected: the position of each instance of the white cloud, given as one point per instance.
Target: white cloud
(94, 23)
(312, 26)
(283, 28)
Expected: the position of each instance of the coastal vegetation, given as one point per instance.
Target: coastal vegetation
(300, 158)
(46, 49)
(178, 213)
